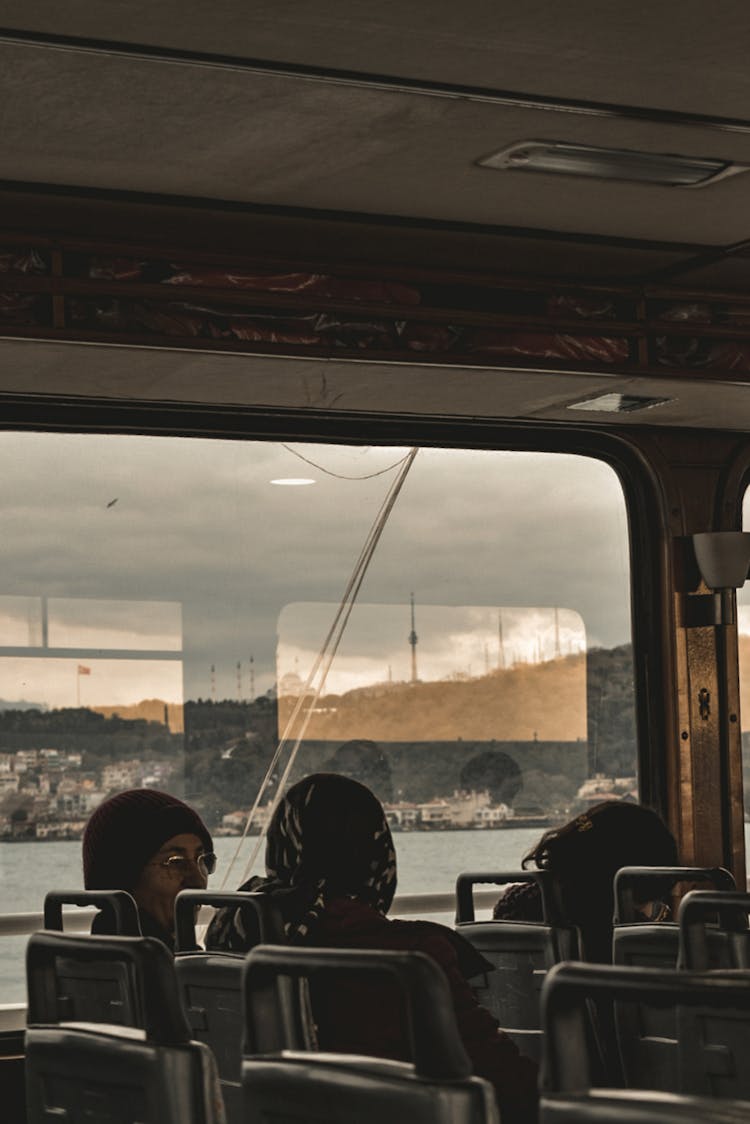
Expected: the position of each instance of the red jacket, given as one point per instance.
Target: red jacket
(366, 1019)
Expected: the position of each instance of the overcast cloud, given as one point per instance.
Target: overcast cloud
(197, 523)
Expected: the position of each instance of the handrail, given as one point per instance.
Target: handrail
(404, 905)
(21, 924)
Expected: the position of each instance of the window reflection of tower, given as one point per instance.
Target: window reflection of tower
(413, 642)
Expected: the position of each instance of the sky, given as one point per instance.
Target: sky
(181, 553)
(453, 642)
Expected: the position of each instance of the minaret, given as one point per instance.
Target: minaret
(252, 678)
(239, 681)
(213, 682)
(413, 642)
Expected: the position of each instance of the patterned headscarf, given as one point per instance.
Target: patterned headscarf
(328, 838)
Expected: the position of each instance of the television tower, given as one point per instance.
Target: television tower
(413, 642)
(500, 642)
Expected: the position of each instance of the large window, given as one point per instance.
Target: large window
(163, 602)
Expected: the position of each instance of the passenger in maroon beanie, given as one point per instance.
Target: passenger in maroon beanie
(153, 845)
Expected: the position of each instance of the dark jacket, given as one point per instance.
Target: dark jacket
(366, 1019)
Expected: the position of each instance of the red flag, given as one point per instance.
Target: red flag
(83, 670)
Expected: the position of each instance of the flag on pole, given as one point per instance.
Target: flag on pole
(83, 670)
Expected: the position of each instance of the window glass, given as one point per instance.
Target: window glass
(163, 602)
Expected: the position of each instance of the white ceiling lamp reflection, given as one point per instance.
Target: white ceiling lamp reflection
(293, 481)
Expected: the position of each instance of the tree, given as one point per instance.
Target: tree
(363, 761)
(494, 771)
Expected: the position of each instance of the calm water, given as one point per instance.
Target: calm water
(428, 861)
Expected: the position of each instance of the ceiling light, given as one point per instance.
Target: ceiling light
(611, 164)
(618, 403)
(293, 481)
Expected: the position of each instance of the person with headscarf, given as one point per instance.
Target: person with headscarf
(331, 872)
(152, 845)
(583, 857)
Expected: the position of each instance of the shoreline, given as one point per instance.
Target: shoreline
(541, 822)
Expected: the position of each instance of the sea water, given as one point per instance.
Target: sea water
(427, 862)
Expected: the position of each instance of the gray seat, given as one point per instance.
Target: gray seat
(210, 983)
(700, 938)
(650, 1031)
(283, 1081)
(118, 907)
(634, 884)
(522, 953)
(712, 1011)
(97, 985)
(85, 1072)
(622, 1106)
(649, 945)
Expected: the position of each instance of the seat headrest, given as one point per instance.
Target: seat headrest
(437, 1049)
(142, 966)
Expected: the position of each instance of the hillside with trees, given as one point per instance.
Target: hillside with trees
(224, 752)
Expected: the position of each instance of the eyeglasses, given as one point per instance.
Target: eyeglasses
(181, 864)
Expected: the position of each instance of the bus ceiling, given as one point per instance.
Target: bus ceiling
(373, 130)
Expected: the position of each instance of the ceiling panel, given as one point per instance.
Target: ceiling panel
(86, 119)
(673, 55)
(162, 375)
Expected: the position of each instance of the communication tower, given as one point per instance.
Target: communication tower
(413, 642)
(501, 664)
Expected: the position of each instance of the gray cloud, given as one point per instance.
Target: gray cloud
(198, 522)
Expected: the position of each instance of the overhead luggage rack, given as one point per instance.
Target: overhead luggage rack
(159, 296)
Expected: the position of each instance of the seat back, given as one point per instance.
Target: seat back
(623, 1106)
(85, 1071)
(210, 983)
(521, 953)
(702, 945)
(283, 1081)
(118, 908)
(712, 1020)
(105, 1075)
(635, 884)
(648, 1032)
(124, 981)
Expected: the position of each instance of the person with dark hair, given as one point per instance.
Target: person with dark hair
(583, 857)
(331, 871)
(152, 845)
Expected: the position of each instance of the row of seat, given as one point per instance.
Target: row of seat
(523, 952)
(680, 1036)
(702, 1072)
(211, 985)
(150, 1070)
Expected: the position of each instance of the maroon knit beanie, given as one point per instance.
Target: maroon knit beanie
(126, 830)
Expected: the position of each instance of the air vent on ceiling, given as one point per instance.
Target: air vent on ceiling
(628, 165)
(618, 403)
